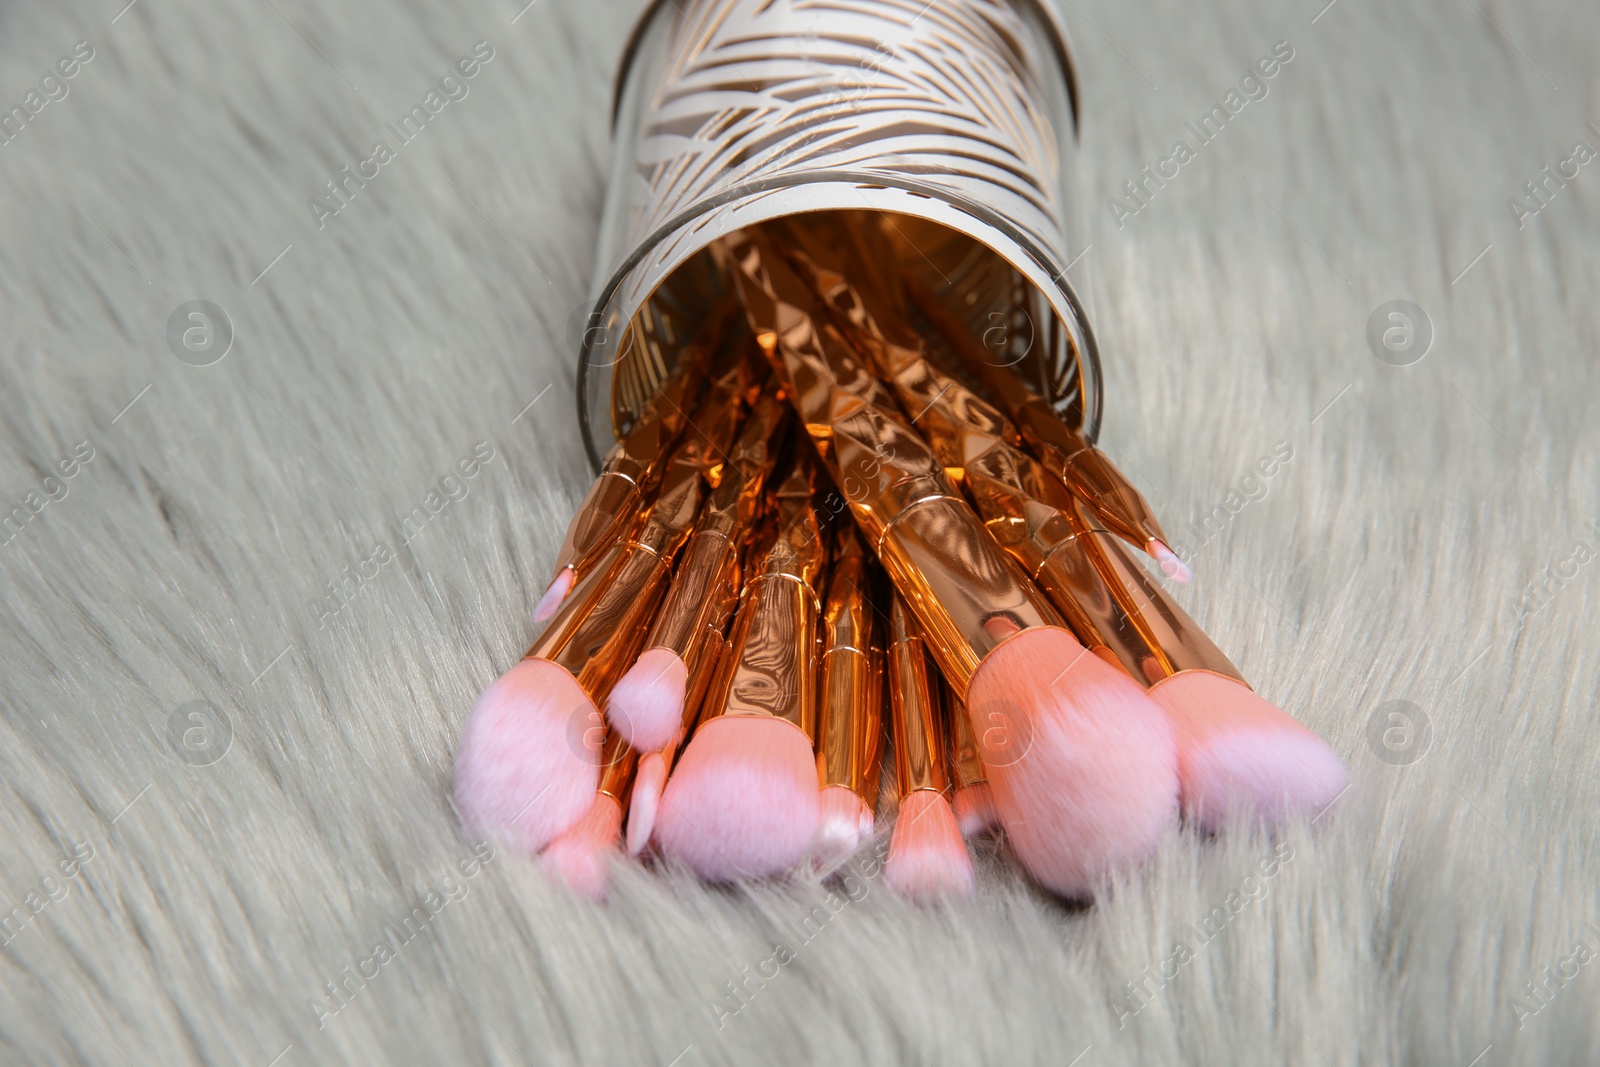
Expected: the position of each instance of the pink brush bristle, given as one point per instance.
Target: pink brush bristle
(554, 595)
(1081, 762)
(523, 772)
(581, 855)
(1239, 753)
(645, 803)
(928, 859)
(974, 810)
(646, 704)
(742, 801)
(844, 823)
(1171, 565)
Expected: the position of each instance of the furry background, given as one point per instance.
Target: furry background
(167, 910)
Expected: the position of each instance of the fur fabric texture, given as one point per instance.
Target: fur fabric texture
(247, 606)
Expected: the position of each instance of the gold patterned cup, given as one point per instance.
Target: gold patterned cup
(949, 126)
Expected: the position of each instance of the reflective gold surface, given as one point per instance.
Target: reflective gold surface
(966, 766)
(618, 761)
(602, 625)
(770, 665)
(713, 551)
(919, 738)
(1180, 643)
(634, 464)
(954, 577)
(604, 640)
(1065, 452)
(850, 719)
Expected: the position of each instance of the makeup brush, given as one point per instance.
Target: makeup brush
(850, 720)
(630, 473)
(654, 767)
(1230, 742)
(742, 801)
(1030, 514)
(973, 802)
(1082, 467)
(646, 706)
(1236, 751)
(525, 766)
(927, 858)
(1081, 763)
(580, 855)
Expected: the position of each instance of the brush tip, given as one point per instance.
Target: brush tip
(523, 772)
(645, 800)
(1171, 565)
(1087, 780)
(646, 704)
(843, 824)
(975, 811)
(554, 594)
(928, 860)
(742, 801)
(1239, 753)
(581, 854)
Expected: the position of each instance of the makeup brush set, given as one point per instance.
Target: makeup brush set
(842, 516)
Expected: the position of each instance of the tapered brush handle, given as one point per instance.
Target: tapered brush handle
(1065, 452)
(769, 667)
(713, 550)
(602, 624)
(850, 719)
(964, 590)
(920, 742)
(1166, 626)
(634, 464)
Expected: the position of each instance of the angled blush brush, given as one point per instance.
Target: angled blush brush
(1088, 780)
(525, 766)
(743, 800)
(647, 704)
(850, 719)
(928, 859)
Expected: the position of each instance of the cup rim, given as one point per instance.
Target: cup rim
(1089, 373)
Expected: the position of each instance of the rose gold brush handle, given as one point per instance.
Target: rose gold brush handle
(1029, 513)
(920, 747)
(769, 667)
(966, 764)
(619, 761)
(635, 463)
(708, 653)
(713, 550)
(965, 592)
(850, 720)
(601, 626)
(1083, 468)
(1177, 639)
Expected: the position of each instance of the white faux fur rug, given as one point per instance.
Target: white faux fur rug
(228, 562)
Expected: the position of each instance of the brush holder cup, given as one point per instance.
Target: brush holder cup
(950, 126)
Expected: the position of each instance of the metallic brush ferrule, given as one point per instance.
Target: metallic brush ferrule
(850, 719)
(919, 737)
(1065, 452)
(634, 464)
(769, 667)
(966, 765)
(964, 590)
